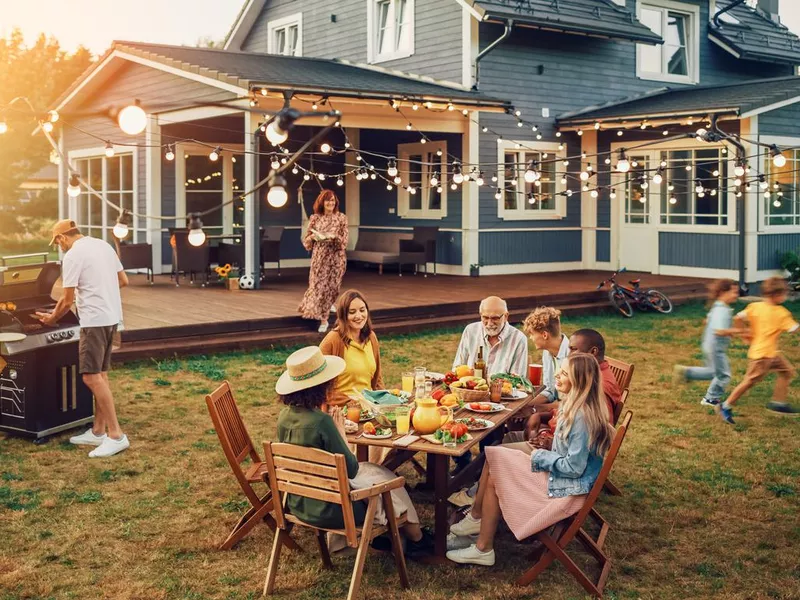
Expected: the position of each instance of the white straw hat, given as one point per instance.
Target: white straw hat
(306, 368)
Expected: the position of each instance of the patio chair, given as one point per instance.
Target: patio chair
(313, 473)
(420, 250)
(187, 259)
(136, 256)
(554, 543)
(609, 487)
(271, 247)
(623, 372)
(237, 446)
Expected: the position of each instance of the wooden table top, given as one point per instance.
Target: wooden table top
(421, 445)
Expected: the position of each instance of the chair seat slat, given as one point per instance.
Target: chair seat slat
(306, 479)
(309, 492)
(303, 453)
(282, 462)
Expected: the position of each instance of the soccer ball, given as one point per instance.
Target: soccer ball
(246, 282)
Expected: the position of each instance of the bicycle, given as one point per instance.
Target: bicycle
(624, 298)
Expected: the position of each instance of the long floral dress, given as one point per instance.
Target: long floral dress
(328, 264)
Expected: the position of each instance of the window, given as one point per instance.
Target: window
(677, 59)
(637, 191)
(521, 200)
(420, 165)
(284, 36)
(113, 178)
(781, 201)
(686, 171)
(390, 27)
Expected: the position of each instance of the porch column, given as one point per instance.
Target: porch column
(470, 195)
(63, 207)
(153, 190)
(252, 250)
(589, 205)
(750, 201)
(352, 190)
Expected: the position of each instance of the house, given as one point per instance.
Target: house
(45, 178)
(542, 102)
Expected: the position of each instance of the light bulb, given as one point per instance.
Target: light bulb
(762, 182)
(392, 170)
(568, 193)
(480, 180)
(409, 127)
(74, 187)
(458, 177)
(597, 125)
(623, 166)
(47, 127)
(564, 180)
(3, 127)
(325, 147)
(594, 193)
(415, 106)
(109, 150)
(737, 182)
(738, 170)
(196, 234)
(498, 196)
(494, 177)
(779, 160)
(120, 231)
(170, 155)
(645, 185)
(580, 132)
(657, 179)
(398, 180)
(412, 190)
(434, 181)
(453, 187)
(276, 135)
(132, 119)
(612, 194)
(340, 182)
(389, 187)
(213, 156)
(277, 196)
(306, 177)
(619, 132)
(776, 203)
(321, 176)
(673, 200)
(275, 163)
(584, 176)
(53, 116)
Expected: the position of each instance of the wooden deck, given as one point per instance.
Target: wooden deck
(163, 319)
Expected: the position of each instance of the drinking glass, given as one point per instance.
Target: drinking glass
(408, 382)
(535, 374)
(354, 412)
(419, 376)
(403, 416)
(496, 390)
(448, 441)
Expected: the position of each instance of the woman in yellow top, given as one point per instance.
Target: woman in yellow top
(353, 340)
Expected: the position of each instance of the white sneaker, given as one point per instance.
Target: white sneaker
(323, 326)
(110, 447)
(461, 498)
(458, 542)
(472, 556)
(87, 438)
(466, 526)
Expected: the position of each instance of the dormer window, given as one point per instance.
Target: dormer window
(677, 59)
(390, 27)
(285, 36)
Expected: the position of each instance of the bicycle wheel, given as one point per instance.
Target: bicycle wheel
(658, 301)
(620, 302)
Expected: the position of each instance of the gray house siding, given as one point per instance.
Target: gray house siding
(772, 245)
(519, 247)
(603, 246)
(784, 121)
(705, 250)
(437, 34)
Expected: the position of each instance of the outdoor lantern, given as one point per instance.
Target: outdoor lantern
(277, 196)
(132, 119)
(122, 226)
(74, 187)
(196, 234)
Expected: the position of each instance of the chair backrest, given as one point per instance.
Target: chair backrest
(233, 435)
(597, 488)
(619, 406)
(273, 233)
(381, 241)
(310, 473)
(426, 235)
(134, 256)
(190, 258)
(271, 244)
(623, 372)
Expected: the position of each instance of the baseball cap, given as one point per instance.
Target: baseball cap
(61, 227)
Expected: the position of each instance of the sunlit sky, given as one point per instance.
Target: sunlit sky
(95, 23)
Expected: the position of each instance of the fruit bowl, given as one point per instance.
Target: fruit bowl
(466, 395)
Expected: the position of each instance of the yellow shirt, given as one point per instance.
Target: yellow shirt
(767, 323)
(359, 368)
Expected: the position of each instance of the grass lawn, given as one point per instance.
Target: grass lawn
(709, 510)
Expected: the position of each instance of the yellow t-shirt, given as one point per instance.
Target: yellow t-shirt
(767, 323)
(359, 368)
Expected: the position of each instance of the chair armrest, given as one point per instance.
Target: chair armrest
(411, 246)
(377, 489)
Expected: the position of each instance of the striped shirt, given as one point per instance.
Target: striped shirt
(508, 355)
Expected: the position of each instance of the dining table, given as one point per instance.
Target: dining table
(438, 460)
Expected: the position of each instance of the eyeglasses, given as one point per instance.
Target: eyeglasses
(492, 318)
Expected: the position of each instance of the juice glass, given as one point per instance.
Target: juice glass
(419, 376)
(354, 412)
(403, 416)
(535, 374)
(408, 382)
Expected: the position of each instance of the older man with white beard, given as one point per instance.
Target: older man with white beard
(505, 348)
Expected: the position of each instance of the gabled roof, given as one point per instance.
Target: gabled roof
(242, 71)
(739, 100)
(602, 18)
(755, 37)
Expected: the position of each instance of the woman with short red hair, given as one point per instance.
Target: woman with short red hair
(326, 239)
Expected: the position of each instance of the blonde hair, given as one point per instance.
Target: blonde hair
(544, 318)
(587, 398)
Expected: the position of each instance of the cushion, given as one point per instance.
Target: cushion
(381, 258)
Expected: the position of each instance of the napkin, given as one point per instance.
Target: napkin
(381, 397)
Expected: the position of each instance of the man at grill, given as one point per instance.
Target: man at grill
(92, 276)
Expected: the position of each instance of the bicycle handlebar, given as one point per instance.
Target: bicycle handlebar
(613, 276)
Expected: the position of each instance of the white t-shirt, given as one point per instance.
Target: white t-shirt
(91, 267)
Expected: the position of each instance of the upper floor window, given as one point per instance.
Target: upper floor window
(521, 199)
(426, 172)
(285, 36)
(390, 27)
(677, 59)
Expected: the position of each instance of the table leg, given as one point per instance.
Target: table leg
(441, 489)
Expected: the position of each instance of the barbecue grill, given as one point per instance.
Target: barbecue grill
(41, 390)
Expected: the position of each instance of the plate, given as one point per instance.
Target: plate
(477, 424)
(495, 407)
(434, 376)
(385, 436)
(515, 395)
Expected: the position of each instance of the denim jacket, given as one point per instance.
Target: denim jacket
(573, 467)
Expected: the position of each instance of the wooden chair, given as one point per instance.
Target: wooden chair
(623, 372)
(238, 446)
(554, 544)
(314, 473)
(609, 486)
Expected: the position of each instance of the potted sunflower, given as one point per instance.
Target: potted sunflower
(224, 272)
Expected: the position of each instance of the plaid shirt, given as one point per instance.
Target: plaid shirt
(508, 355)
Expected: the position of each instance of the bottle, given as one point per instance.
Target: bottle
(480, 364)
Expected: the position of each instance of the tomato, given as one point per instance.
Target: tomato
(484, 406)
(458, 429)
(475, 405)
(438, 394)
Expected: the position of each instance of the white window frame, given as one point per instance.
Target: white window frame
(274, 26)
(404, 151)
(692, 12)
(109, 214)
(766, 168)
(654, 155)
(373, 51)
(520, 214)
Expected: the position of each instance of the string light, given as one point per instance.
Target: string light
(214, 154)
(74, 187)
(325, 148)
(458, 176)
(623, 166)
(170, 153)
(435, 179)
(132, 119)
(531, 173)
(275, 163)
(277, 196)
(47, 127)
(762, 182)
(109, 150)
(339, 181)
(778, 159)
(122, 226)
(738, 170)
(480, 180)
(196, 234)
(658, 177)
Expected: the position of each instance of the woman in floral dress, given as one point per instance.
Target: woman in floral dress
(326, 239)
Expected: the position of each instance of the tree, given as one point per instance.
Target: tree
(40, 73)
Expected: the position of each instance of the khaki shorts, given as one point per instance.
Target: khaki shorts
(759, 368)
(94, 348)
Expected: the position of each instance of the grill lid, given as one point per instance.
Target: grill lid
(30, 276)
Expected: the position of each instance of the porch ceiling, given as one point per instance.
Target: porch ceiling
(317, 76)
(667, 105)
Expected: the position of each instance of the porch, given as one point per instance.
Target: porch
(163, 320)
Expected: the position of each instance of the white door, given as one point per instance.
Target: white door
(638, 239)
